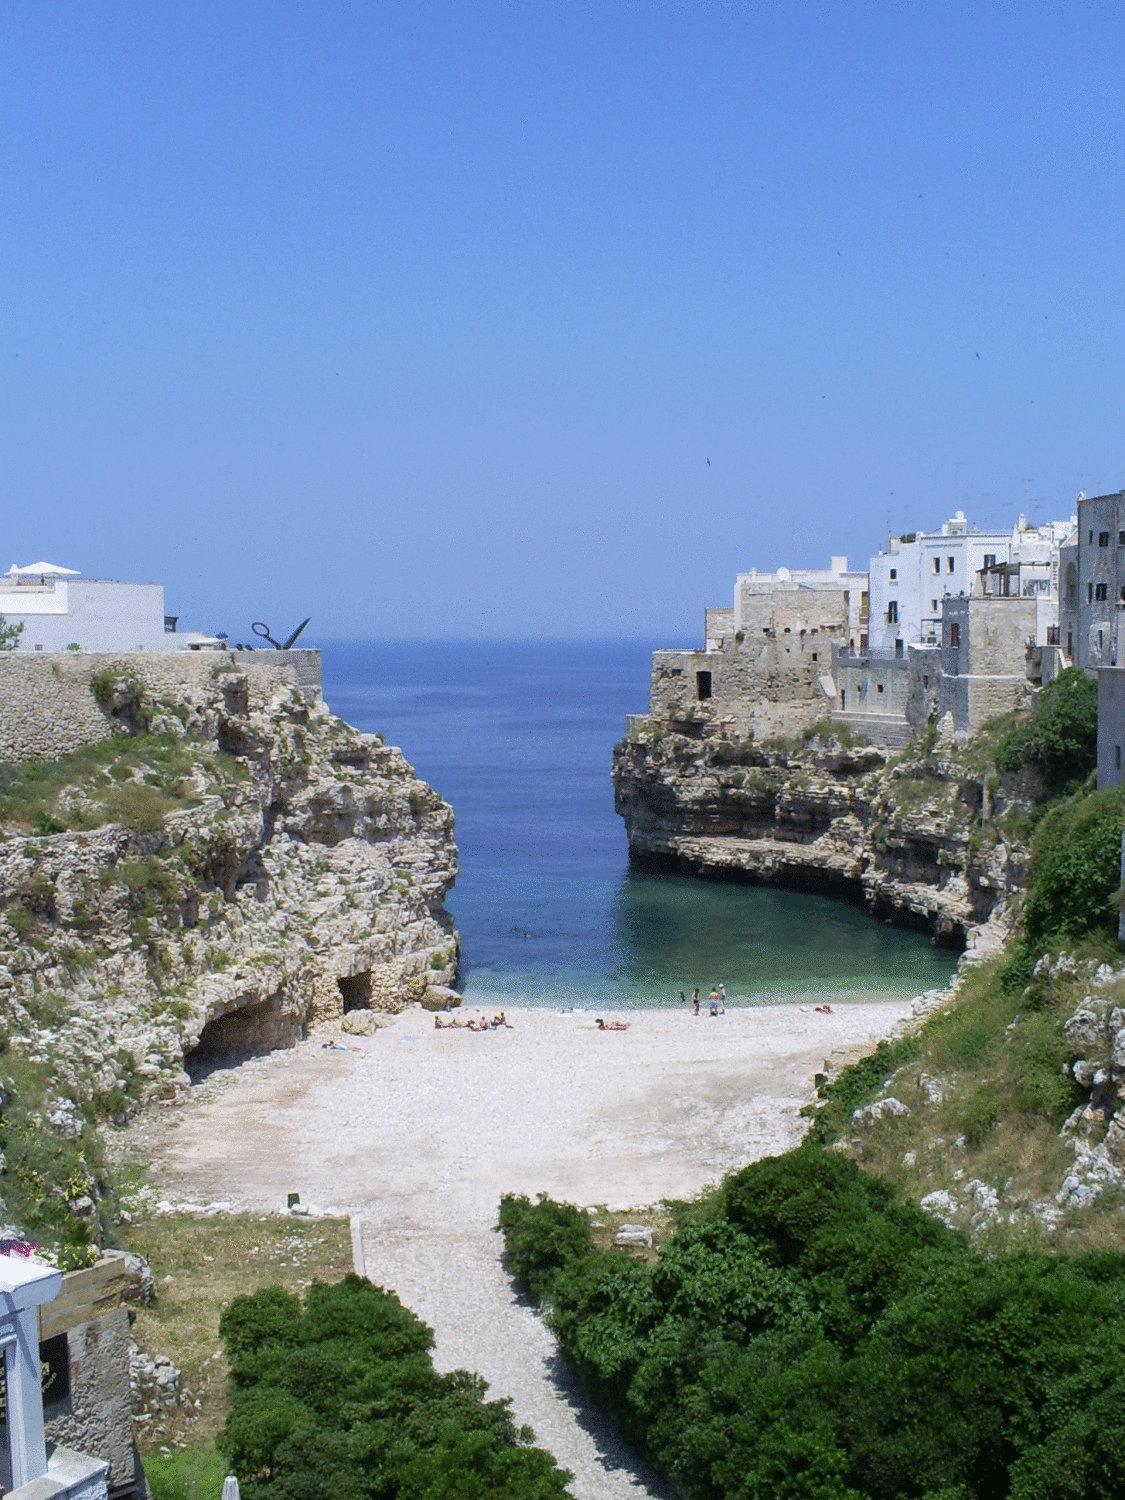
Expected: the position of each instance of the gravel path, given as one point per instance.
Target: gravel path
(418, 1132)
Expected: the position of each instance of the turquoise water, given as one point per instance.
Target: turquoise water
(518, 738)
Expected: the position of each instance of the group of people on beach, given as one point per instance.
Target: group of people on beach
(716, 1000)
(498, 1021)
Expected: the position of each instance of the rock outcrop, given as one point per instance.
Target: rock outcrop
(1095, 1035)
(293, 872)
(920, 836)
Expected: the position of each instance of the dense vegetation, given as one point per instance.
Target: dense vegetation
(340, 1397)
(808, 1331)
(1060, 739)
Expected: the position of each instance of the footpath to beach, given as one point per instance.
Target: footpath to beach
(417, 1132)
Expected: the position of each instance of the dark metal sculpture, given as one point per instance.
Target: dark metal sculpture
(263, 630)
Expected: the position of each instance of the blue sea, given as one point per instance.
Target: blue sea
(518, 736)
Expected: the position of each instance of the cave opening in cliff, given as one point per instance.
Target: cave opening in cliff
(250, 1031)
(355, 991)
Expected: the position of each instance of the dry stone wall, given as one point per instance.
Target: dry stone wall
(48, 706)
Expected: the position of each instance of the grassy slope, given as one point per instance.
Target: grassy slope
(983, 1081)
(135, 780)
(210, 1261)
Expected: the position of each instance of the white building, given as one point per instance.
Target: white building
(60, 610)
(916, 572)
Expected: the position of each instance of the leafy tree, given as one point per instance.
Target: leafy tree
(1075, 869)
(1061, 739)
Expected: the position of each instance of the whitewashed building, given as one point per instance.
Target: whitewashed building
(60, 611)
(912, 577)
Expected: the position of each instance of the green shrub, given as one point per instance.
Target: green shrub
(103, 685)
(340, 1397)
(541, 1237)
(816, 1334)
(1075, 870)
(1060, 741)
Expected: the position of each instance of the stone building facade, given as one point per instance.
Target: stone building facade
(1092, 584)
(766, 666)
(1111, 727)
(984, 652)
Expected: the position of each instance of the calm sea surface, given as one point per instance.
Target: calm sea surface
(518, 738)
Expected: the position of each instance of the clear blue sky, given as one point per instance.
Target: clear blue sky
(425, 318)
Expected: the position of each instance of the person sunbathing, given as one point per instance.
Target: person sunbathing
(611, 1025)
(501, 1020)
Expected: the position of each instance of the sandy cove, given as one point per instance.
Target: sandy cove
(417, 1132)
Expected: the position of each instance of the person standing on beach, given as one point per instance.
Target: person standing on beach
(722, 999)
(695, 1001)
(713, 1001)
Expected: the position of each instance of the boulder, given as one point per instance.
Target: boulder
(440, 997)
(363, 1022)
(140, 1283)
(634, 1236)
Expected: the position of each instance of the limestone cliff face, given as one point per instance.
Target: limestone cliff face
(921, 837)
(279, 869)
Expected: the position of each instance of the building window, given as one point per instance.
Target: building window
(1089, 593)
(898, 646)
(954, 634)
(1070, 644)
(1101, 640)
(937, 564)
(949, 565)
(1103, 538)
(933, 605)
(1117, 757)
(843, 698)
(990, 559)
(702, 686)
(1090, 538)
(1123, 593)
(878, 687)
(814, 656)
(1121, 538)
(1101, 591)
(863, 637)
(892, 612)
(894, 572)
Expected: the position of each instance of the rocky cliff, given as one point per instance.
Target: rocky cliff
(925, 836)
(234, 868)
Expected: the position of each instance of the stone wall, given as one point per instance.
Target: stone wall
(1111, 726)
(305, 665)
(97, 1418)
(48, 708)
